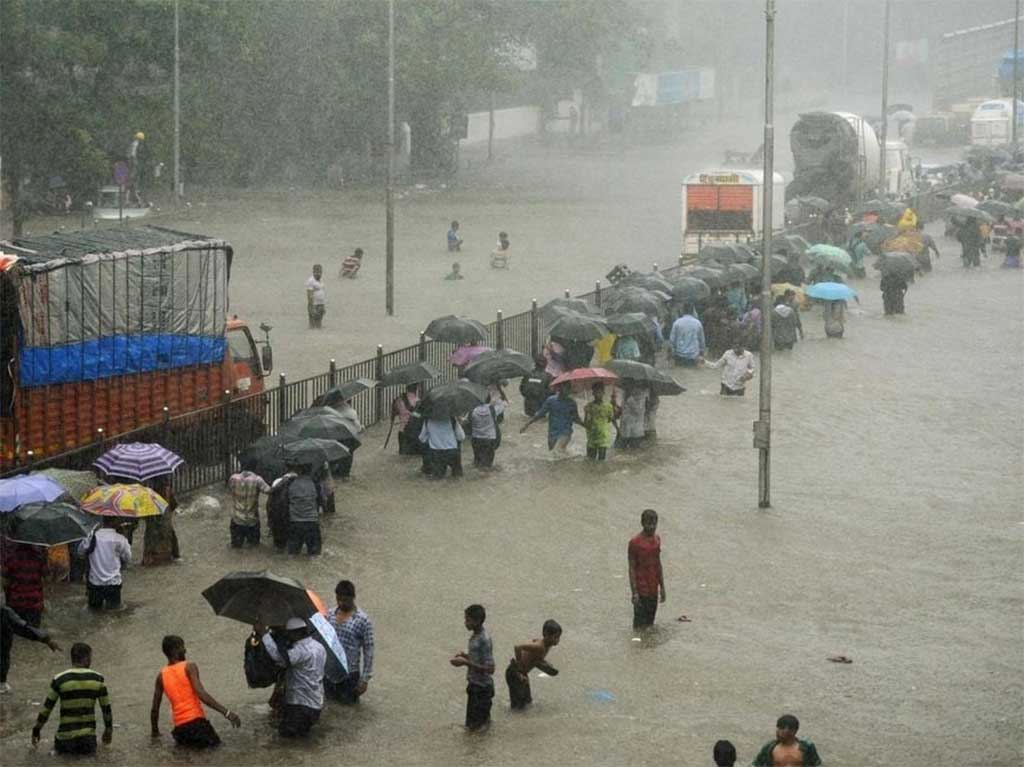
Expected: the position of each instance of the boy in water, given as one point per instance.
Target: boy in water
(787, 750)
(454, 240)
(179, 681)
(529, 656)
(598, 418)
(479, 663)
(78, 689)
(455, 273)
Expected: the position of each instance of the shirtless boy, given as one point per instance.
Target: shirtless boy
(787, 750)
(529, 656)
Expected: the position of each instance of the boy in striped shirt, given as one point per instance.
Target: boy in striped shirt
(78, 689)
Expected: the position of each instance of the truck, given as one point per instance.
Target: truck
(991, 123)
(726, 206)
(106, 331)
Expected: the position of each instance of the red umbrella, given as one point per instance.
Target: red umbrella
(583, 376)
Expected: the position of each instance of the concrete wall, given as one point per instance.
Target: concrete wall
(508, 123)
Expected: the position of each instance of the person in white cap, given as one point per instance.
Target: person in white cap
(304, 677)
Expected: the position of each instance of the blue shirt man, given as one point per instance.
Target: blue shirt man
(687, 340)
(562, 413)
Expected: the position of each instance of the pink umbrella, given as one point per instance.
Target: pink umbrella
(463, 355)
(581, 377)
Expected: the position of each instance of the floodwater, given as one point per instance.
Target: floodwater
(895, 538)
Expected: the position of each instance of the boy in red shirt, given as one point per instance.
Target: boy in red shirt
(645, 576)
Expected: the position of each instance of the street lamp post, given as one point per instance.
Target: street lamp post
(389, 201)
(1016, 55)
(883, 181)
(177, 106)
(763, 426)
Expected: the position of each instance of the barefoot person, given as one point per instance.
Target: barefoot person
(527, 657)
(646, 580)
(179, 681)
(787, 750)
(78, 689)
(479, 663)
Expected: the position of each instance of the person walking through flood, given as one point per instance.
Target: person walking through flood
(442, 439)
(179, 681)
(562, 412)
(304, 677)
(686, 338)
(535, 388)
(787, 750)
(402, 408)
(245, 488)
(633, 414)
(969, 235)
(316, 298)
(11, 625)
(79, 690)
(109, 553)
(598, 419)
(737, 368)
(355, 632)
(485, 431)
(646, 579)
(786, 326)
(894, 288)
(479, 663)
(304, 504)
(525, 658)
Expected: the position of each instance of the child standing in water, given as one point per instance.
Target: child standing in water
(529, 656)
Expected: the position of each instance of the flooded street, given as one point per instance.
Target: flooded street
(895, 536)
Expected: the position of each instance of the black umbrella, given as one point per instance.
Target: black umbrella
(493, 366)
(743, 273)
(634, 299)
(577, 327)
(414, 372)
(259, 597)
(557, 307)
(975, 213)
(263, 457)
(458, 330)
(346, 391)
(453, 399)
(713, 278)
(879, 208)
(312, 452)
(630, 324)
(320, 423)
(48, 523)
(903, 264)
(998, 208)
(723, 253)
(660, 383)
(648, 281)
(687, 288)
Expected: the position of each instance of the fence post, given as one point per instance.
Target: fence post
(533, 329)
(282, 406)
(567, 293)
(378, 391)
(332, 373)
(654, 267)
(681, 261)
(597, 293)
(423, 347)
(499, 333)
(226, 433)
(165, 430)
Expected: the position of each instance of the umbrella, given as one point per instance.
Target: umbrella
(634, 299)
(688, 288)
(463, 355)
(629, 324)
(780, 288)
(1013, 182)
(138, 460)
(458, 330)
(829, 254)
(336, 665)
(723, 253)
(346, 391)
(493, 366)
(414, 372)
(713, 278)
(582, 376)
(263, 457)
(743, 272)
(454, 399)
(874, 234)
(259, 597)
(132, 501)
(830, 291)
(903, 264)
(795, 242)
(975, 213)
(320, 423)
(647, 280)
(963, 201)
(878, 207)
(48, 524)
(312, 452)
(661, 383)
(78, 484)
(817, 203)
(27, 488)
(555, 308)
(576, 327)
(998, 208)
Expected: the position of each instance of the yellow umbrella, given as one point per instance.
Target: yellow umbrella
(780, 288)
(131, 501)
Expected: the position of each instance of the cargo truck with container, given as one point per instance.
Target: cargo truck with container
(726, 206)
(106, 331)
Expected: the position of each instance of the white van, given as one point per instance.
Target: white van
(990, 123)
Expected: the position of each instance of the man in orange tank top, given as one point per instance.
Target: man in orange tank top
(179, 681)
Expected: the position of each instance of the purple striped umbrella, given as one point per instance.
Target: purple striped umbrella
(138, 460)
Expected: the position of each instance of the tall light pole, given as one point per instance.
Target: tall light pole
(882, 180)
(177, 107)
(1016, 72)
(389, 201)
(763, 426)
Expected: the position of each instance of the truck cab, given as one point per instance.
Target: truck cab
(246, 364)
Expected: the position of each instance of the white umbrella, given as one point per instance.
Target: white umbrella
(963, 201)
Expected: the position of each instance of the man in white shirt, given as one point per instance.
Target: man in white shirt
(443, 439)
(304, 678)
(108, 552)
(737, 368)
(485, 432)
(316, 298)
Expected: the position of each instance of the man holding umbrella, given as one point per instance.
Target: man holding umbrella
(304, 677)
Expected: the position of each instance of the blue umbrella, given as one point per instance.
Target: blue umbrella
(33, 488)
(830, 291)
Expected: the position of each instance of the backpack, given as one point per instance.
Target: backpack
(260, 668)
(277, 501)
